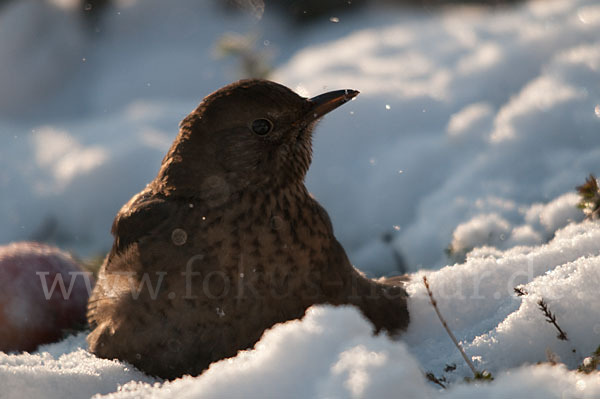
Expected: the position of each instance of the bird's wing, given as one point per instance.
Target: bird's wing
(138, 218)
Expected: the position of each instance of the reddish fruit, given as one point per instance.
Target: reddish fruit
(43, 294)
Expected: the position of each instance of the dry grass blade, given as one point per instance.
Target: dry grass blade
(437, 311)
(551, 318)
(520, 291)
(431, 377)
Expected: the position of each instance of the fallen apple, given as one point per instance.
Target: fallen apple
(43, 295)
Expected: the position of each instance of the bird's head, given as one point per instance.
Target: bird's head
(252, 133)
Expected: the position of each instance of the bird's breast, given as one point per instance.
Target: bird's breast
(267, 246)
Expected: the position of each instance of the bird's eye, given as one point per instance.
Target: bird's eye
(262, 126)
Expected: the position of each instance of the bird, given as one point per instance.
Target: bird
(227, 241)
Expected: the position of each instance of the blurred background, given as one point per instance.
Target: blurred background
(475, 122)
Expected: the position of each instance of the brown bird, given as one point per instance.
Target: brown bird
(226, 241)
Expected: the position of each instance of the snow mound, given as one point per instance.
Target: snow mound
(500, 329)
(540, 222)
(63, 370)
(535, 382)
(484, 229)
(331, 352)
(505, 110)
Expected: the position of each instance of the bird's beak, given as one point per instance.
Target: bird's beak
(327, 102)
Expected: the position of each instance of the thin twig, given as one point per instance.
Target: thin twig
(550, 318)
(437, 311)
(431, 377)
(520, 291)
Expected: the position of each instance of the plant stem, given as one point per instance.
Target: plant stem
(437, 311)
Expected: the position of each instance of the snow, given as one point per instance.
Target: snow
(504, 330)
(331, 352)
(63, 370)
(482, 105)
(560, 212)
(472, 129)
(540, 222)
(480, 230)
